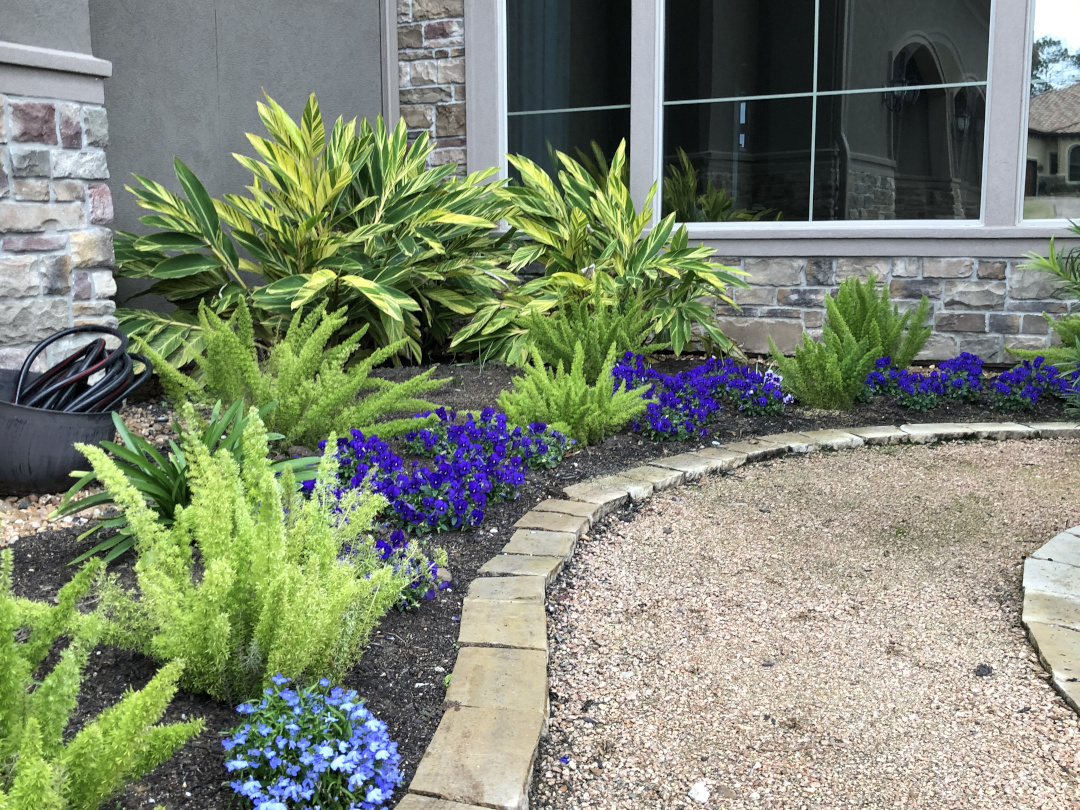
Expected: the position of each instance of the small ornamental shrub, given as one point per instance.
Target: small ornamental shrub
(870, 315)
(41, 768)
(564, 400)
(316, 393)
(473, 464)
(312, 748)
(1021, 387)
(160, 477)
(250, 578)
(686, 401)
(594, 324)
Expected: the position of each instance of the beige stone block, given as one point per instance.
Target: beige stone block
(554, 522)
(69, 190)
(508, 589)
(1032, 284)
(541, 544)
(31, 189)
(833, 439)
(939, 347)
(482, 757)
(1056, 430)
(451, 71)
(84, 165)
(450, 120)
(422, 72)
(1051, 577)
(503, 624)
(691, 465)
(1062, 548)
(775, 272)
(975, 294)
(1001, 430)
(606, 497)
(991, 269)
(660, 478)
(498, 678)
(414, 802)
(520, 565)
(728, 459)
(863, 268)
(880, 434)
(579, 508)
(752, 334)
(791, 442)
(91, 248)
(437, 9)
(1058, 649)
(906, 268)
(29, 320)
(417, 116)
(755, 296)
(637, 490)
(33, 217)
(948, 268)
(18, 277)
(1051, 608)
(960, 322)
(939, 431)
(755, 449)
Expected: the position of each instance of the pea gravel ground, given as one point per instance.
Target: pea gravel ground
(806, 633)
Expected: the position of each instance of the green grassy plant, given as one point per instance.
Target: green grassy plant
(249, 580)
(567, 403)
(39, 770)
(869, 314)
(315, 390)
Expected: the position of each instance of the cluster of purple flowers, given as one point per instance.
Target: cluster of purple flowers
(310, 748)
(685, 402)
(472, 465)
(961, 379)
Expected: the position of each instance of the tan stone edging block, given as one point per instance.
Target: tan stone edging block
(1052, 611)
(496, 707)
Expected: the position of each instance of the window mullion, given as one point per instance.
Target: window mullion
(1006, 117)
(646, 99)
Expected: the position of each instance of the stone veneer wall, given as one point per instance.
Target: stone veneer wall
(978, 305)
(55, 251)
(431, 74)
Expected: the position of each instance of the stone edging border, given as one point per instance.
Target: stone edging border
(1052, 611)
(496, 706)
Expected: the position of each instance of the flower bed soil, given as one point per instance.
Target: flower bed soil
(401, 676)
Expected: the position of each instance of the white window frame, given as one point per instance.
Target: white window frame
(1000, 232)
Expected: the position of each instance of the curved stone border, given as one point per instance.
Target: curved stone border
(496, 706)
(1052, 611)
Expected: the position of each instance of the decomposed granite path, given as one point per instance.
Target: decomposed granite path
(832, 630)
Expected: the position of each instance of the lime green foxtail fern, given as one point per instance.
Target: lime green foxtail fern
(249, 580)
(38, 769)
(314, 390)
(563, 399)
(872, 316)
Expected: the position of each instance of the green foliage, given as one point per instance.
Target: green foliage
(872, 316)
(595, 326)
(828, 373)
(1065, 356)
(567, 403)
(161, 478)
(1064, 263)
(357, 219)
(714, 204)
(582, 229)
(314, 390)
(248, 580)
(38, 770)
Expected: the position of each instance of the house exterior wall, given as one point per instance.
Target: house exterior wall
(981, 304)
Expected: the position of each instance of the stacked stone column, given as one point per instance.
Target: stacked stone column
(56, 250)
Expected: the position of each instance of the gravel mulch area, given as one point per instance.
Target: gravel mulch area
(837, 630)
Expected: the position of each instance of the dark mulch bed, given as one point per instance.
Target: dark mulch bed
(401, 674)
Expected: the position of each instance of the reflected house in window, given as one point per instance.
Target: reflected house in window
(886, 123)
(1052, 182)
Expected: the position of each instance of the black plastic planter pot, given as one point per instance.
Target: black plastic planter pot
(37, 452)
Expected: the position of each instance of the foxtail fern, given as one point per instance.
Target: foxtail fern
(566, 402)
(872, 316)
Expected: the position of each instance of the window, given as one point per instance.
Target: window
(568, 76)
(887, 125)
(1054, 111)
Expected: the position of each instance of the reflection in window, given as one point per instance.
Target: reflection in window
(1052, 191)
(887, 122)
(568, 76)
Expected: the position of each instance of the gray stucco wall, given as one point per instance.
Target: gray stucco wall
(59, 24)
(188, 73)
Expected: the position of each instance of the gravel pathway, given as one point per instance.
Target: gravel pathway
(833, 631)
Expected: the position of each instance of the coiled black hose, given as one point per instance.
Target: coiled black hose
(66, 386)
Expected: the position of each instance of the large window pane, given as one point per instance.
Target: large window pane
(757, 153)
(568, 75)
(871, 44)
(574, 133)
(1052, 175)
(720, 50)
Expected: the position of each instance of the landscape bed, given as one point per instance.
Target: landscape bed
(401, 675)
